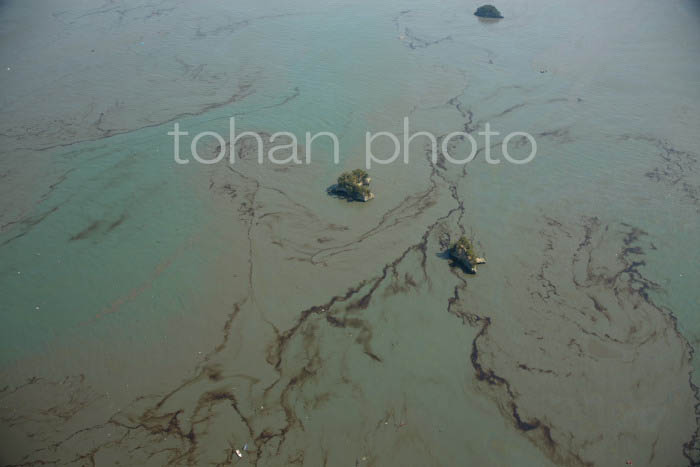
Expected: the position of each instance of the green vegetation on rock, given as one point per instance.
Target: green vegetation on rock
(466, 246)
(353, 185)
(462, 252)
(488, 11)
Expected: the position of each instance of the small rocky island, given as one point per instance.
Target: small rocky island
(462, 252)
(353, 186)
(488, 11)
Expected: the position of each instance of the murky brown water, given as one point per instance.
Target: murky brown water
(160, 314)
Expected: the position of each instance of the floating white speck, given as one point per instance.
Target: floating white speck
(239, 453)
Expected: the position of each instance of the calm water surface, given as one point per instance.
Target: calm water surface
(159, 314)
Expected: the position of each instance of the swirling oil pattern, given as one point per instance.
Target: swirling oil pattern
(163, 314)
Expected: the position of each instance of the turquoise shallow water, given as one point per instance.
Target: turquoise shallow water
(109, 196)
(247, 306)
